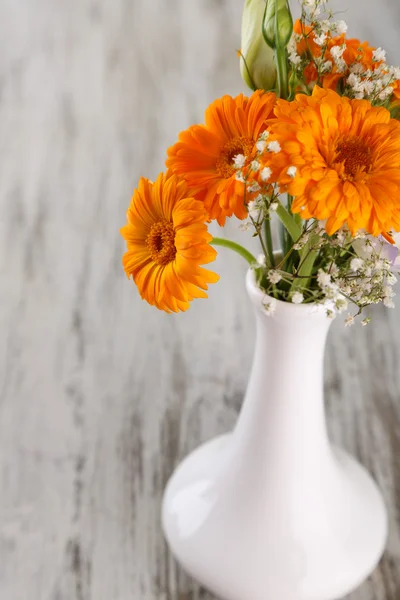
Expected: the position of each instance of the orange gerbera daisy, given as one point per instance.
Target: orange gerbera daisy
(167, 241)
(347, 159)
(204, 154)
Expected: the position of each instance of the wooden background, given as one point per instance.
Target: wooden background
(101, 395)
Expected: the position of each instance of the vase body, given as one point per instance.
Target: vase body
(272, 511)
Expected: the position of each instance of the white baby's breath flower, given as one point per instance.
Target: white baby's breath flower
(388, 302)
(295, 58)
(333, 269)
(379, 54)
(332, 291)
(330, 314)
(264, 136)
(356, 264)
(342, 236)
(365, 322)
(292, 45)
(292, 171)
(302, 241)
(261, 145)
(356, 68)
(368, 271)
(297, 298)
(261, 260)
(388, 291)
(245, 225)
(253, 187)
(337, 52)
(341, 304)
(273, 206)
(325, 25)
(253, 209)
(395, 72)
(340, 27)
(385, 93)
(274, 147)
(255, 165)
(327, 66)
(239, 177)
(320, 39)
(323, 278)
(354, 81)
(274, 276)
(269, 306)
(266, 173)
(239, 161)
(349, 321)
(368, 87)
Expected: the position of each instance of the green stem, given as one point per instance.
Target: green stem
(282, 72)
(289, 223)
(235, 247)
(268, 240)
(308, 257)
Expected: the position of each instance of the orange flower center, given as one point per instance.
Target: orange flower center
(355, 156)
(235, 146)
(161, 242)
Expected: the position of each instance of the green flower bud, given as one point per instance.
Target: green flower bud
(277, 24)
(257, 65)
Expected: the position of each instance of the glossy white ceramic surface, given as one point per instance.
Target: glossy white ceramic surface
(272, 511)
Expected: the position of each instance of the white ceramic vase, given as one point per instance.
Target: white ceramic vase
(272, 511)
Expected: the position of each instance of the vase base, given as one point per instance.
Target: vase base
(253, 551)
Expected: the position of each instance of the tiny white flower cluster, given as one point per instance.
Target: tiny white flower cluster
(331, 292)
(302, 241)
(312, 8)
(354, 270)
(256, 207)
(256, 177)
(294, 58)
(274, 147)
(239, 161)
(256, 212)
(297, 298)
(375, 85)
(256, 166)
(337, 55)
(367, 278)
(322, 27)
(269, 306)
(274, 276)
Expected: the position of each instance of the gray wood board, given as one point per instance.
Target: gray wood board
(101, 395)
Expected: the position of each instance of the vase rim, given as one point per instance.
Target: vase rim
(259, 296)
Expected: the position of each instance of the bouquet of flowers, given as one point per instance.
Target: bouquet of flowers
(315, 147)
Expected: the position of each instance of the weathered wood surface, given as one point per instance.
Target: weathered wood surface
(100, 395)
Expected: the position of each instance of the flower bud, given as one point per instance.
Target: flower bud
(277, 24)
(257, 63)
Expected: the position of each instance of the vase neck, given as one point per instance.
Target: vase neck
(284, 397)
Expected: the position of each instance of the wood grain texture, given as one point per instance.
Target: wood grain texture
(100, 395)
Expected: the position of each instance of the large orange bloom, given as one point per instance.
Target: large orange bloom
(167, 241)
(347, 156)
(204, 154)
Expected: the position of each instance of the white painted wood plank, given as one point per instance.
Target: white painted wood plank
(100, 395)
